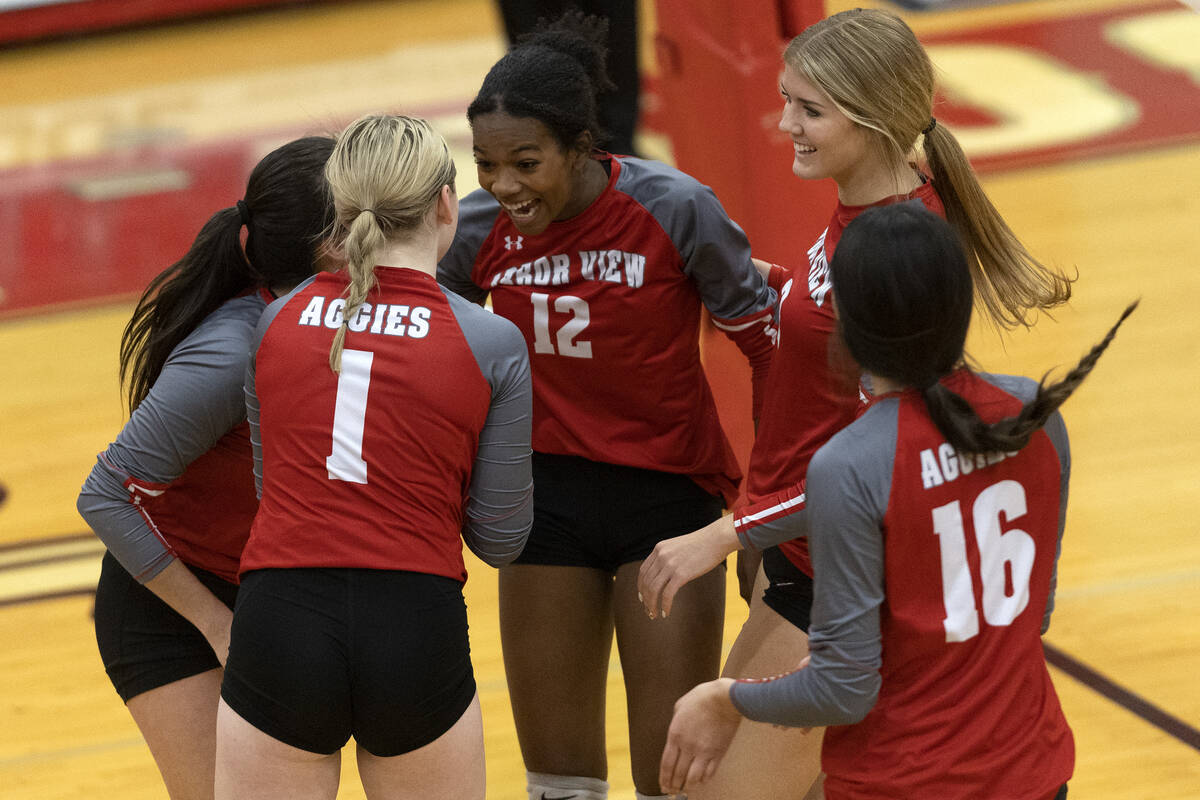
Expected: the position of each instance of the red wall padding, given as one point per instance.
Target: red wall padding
(82, 16)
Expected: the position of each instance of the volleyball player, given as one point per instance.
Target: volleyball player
(173, 497)
(392, 423)
(604, 263)
(858, 93)
(935, 522)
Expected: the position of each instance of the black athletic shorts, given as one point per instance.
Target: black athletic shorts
(790, 593)
(145, 643)
(319, 655)
(592, 514)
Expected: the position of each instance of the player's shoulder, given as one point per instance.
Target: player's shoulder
(477, 319)
(680, 205)
(1019, 386)
(300, 293)
(647, 180)
(495, 342)
(238, 311)
(234, 320)
(864, 440)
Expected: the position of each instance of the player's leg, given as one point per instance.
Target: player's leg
(556, 635)
(662, 659)
(165, 671)
(449, 766)
(765, 762)
(179, 723)
(250, 763)
(556, 632)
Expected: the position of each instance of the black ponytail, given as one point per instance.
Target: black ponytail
(288, 210)
(903, 292)
(967, 433)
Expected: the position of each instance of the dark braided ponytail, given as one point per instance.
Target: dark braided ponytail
(903, 292)
(967, 433)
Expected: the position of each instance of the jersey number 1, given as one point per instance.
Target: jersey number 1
(346, 463)
(1000, 552)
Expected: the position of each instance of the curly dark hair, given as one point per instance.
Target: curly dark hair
(552, 75)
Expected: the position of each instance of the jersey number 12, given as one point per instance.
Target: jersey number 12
(567, 336)
(1000, 552)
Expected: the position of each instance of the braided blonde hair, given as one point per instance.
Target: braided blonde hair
(385, 174)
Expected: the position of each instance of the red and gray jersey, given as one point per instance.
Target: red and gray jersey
(934, 580)
(178, 481)
(812, 390)
(609, 303)
(422, 437)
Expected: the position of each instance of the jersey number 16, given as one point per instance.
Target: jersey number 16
(1010, 551)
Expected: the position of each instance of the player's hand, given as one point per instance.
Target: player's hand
(703, 726)
(675, 562)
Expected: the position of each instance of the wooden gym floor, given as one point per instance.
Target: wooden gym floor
(1125, 639)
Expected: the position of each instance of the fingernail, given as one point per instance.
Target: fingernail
(640, 597)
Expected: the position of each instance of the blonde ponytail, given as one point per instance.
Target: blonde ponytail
(385, 175)
(1009, 281)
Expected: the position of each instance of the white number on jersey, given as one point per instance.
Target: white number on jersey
(1010, 551)
(567, 335)
(346, 463)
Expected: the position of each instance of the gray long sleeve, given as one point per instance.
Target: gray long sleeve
(847, 500)
(195, 401)
(499, 512)
(845, 508)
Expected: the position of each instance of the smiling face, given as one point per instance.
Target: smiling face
(826, 143)
(535, 179)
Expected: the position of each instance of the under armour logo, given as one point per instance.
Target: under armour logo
(509, 244)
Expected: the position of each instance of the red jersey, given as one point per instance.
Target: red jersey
(812, 389)
(609, 302)
(966, 707)
(934, 578)
(178, 481)
(372, 467)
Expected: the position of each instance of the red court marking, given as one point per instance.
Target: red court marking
(59, 249)
(1169, 99)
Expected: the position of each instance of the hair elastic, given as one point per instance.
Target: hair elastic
(929, 128)
(243, 212)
